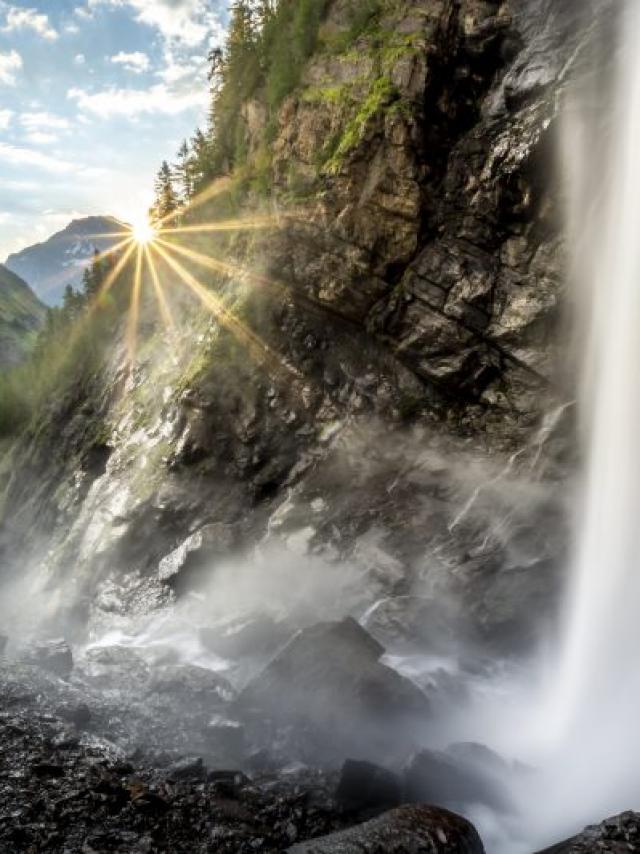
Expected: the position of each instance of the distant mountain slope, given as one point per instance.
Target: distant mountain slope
(60, 260)
(21, 315)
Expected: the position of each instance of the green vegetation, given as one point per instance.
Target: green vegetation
(268, 46)
(68, 349)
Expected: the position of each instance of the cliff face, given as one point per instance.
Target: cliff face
(398, 415)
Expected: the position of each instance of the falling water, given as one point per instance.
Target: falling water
(600, 672)
(591, 736)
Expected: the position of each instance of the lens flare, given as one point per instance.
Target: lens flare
(143, 232)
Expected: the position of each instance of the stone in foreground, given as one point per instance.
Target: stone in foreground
(405, 830)
(328, 686)
(617, 835)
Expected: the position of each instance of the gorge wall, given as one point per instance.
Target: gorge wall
(399, 406)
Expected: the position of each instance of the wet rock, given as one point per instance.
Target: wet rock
(187, 768)
(193, 554)
(114, 666)
(329, 686)
(365, 787)
(225, 738)
(405, 830)
(189, 682)
(456, 779)
(617, 835)
(255, 635)
(412, 623)
(78, 714)
(54, 656)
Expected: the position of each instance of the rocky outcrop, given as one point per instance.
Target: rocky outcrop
(614, 836)
(394, 407)
(406, 830)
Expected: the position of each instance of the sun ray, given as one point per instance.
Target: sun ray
(264, 222)
(161, 298)
(255, 346)
(218, 186)
(230, 269)
(102, 235)
(115, 272)
(134, 310)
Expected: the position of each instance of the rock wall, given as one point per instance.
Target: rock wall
(396, 407)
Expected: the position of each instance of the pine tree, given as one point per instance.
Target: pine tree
(166, 201)
(183, 173)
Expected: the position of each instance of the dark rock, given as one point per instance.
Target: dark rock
(79, 715)
(189, 682)
(225, 738)
(617, 835)
(328, 684)
(410, 623)
(365, 787)
(257, 635)
(47, 769)
(187, 768)
(455, 779)
(54, 656)
(405, 830)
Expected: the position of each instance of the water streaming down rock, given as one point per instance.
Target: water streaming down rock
(585, 737)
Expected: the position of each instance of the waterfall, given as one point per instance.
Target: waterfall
(599, 676)
(590, 736)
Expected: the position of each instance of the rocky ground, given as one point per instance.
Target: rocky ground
(109, 750)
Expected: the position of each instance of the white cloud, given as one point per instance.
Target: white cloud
(5, 118)
(42, 121)
(136, 62)
(15, 155)
(10, 63)
(41, 138)
(186, 21)
(80, 59)
(135, 102)
(72, 29)
(29, 19)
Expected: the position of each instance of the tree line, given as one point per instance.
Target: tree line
(267, 45)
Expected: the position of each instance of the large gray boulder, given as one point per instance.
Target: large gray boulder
(405, 830)
(328, 684)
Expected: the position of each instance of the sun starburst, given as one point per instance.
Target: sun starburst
(155, 244)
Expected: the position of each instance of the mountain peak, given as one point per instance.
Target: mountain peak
(60, 260)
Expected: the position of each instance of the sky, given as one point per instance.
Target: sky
(94, 94)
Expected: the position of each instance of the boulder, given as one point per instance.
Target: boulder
(365, 787)
(412, 624)
(329, 688)
(256, 635)
(225, 738)
(54, 656)
(405, 830)
(457, 778)
(617, 835)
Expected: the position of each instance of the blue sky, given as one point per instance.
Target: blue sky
(94, 94)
